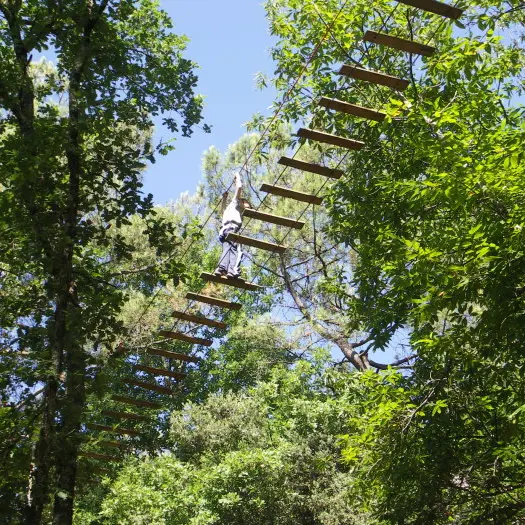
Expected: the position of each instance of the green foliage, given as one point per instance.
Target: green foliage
(75, 226)
(432, 207)
(248, 355)
(267, 455)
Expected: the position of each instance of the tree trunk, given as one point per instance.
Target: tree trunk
(38, 484)
(69, 436)
(348, 349)
(23, 107)
(75, 363)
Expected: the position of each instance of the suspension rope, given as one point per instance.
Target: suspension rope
(267, 128)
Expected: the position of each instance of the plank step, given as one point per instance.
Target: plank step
(111, 444)
(375, 77)
(328, 138)
(236, 283)
(160, 371)
(274, 219)
(198, 319)
(291, 194)
(103, 457)
(186, 338)
(112, 430)
(401, 44)
(352, 109)
(124, 415)
(256, 243)
(120, 350)
(150, 386)
(136, 402)
(432, 6)
(172, 355)
(214, 301)
(331, 173)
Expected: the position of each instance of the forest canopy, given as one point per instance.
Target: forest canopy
(375, 376)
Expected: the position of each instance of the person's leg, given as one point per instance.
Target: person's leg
(232, 256)
(238, 259)
(224, 260)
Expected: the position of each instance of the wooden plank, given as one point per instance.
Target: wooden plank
(214, 301)
(103, 457)
(401, 44)
(136, 402)
(374, 77)
(291, 194)
(100, 470)
(274, 219)
(124, 415)
(160, 371)
(236, 283)
(331, 173)
(150, 386)
(120, 350)
(172, 355)
(328, 138)
(186, 338)
(256, 243)
(352, 109)
(198, 319)
(432, 6)
(113, 430)
(111, 444)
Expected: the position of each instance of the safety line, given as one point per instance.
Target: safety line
(285, 98)
(262, 201)
(281, 105)
(241, 294)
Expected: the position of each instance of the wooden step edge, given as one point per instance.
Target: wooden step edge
(183, 316)
(236, 283)
(374, 77)
(281, 191)
(185, 338)
(325, 171)
(114, 430)
(172, 355)
(160, 371)
(150, 386)
(256, 243)
(125, 415)
(401, 44)
(214, 301)
(110, 444)
(102, 457)
(136, 402)
(273, 219)
(328, 138)
(437, 8)
(352, 109)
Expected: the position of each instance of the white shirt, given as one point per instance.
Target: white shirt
(232, 212)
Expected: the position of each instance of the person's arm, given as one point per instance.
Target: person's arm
(224, 202)
(238, 185)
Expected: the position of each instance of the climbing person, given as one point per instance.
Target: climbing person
(230, 261)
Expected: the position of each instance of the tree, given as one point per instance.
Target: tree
(267, 454)
(311, 282)
(430, 206)
(74, 145)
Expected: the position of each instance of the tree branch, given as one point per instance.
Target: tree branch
(340, 340)
(381, 366)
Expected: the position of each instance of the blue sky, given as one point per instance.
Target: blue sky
(230, 41)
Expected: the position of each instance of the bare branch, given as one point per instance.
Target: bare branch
(396, 364)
